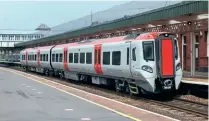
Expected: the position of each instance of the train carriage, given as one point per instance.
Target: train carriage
(145, 62)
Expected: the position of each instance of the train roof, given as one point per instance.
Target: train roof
(132, 37)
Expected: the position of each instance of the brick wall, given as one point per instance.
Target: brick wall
(202, 55)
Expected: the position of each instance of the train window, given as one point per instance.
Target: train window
(95, 56)
(176, 49)
(46, 57)
(57, 55)
(75, 57)
(53, 57)
(88, 58)
(41, 57)
(70, 57)
(134, 54)
(35, 57)
(82, 57)
(106, 58)
(60, 58)
(116, 57)
(148, 50)
(99, 56)
(128, 56)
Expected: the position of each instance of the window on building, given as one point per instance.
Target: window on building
(70, 57)
(82, 57)
(17, 37)
(4, 37)
(106, 58)
(11, 37)
(116, 57)
(30, 37)
(88, 58)
(24, 37)
(60, 58)
(75, 57)
(57, 56)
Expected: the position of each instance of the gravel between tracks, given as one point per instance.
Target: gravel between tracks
(128, 100)
(194, 99)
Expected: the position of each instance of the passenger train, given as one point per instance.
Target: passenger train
(137, 63)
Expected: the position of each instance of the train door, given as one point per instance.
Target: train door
(133, 62)
(97, 59)
(65, 58)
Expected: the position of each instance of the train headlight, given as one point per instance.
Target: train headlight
(147, 68)
(178, 66)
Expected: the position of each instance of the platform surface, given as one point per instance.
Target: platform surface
(198, 81)
(25, 97)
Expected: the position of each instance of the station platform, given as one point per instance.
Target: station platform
(29, 97)
(195, 81)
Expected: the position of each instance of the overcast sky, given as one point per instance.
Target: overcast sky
(29, 14)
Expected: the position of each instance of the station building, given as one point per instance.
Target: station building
(8, 38)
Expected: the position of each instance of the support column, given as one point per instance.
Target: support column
(192, 53)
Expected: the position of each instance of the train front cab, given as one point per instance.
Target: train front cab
(168, 67)
(159, 66)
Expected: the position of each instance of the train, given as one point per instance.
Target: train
(147, 62)
(12, 58)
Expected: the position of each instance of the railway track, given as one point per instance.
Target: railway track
(187, 108)
(193, 109)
